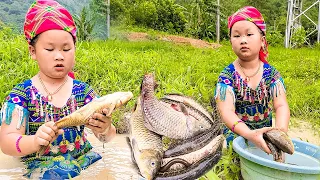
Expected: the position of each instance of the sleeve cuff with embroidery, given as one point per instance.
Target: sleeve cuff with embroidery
(221, 92)
(7, 111)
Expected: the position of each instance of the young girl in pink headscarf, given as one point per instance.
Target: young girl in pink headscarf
(32, 107)
(246, 87)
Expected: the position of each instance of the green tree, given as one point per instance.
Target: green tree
(85, 24)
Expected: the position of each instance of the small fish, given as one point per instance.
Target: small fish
(194, 171)
(82, 115)
(146, 146)
(165, 120)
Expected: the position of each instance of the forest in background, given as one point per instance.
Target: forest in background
(193, 18)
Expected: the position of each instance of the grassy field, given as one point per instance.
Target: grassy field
(118, 65)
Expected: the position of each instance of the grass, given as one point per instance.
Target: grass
(118, 65)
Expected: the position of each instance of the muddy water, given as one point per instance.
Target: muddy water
(115, 163)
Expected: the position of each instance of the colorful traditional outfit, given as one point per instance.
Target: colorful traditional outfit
(251, 105)
(70, 152)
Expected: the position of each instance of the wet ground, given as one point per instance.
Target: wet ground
(115, 164)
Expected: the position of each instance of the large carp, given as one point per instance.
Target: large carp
(82, 115)
(165, 120)
(146, 145)
(188, 101)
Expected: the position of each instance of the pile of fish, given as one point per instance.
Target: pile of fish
(196, 133)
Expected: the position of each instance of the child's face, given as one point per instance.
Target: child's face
(55, 53)
(246, 40)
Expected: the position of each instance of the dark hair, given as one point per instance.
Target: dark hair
(35, 39)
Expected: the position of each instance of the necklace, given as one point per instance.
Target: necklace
(247, 79)
(49, 96)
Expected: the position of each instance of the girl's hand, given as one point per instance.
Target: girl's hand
(256, 137)
(100, 123)
(46, 134)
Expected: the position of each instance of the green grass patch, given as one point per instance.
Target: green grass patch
(118, 65)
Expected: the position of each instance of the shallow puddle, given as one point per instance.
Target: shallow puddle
(115, 163)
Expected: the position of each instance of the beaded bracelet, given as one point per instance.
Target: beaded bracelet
(235, 123)
(17, 144)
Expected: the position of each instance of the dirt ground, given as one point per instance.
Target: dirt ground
(198, 43)
(304, 131)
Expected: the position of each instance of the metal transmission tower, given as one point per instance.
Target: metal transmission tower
(294, 14)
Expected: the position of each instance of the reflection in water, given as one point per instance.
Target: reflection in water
(115, 163)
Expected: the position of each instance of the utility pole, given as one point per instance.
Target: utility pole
(318, 40)
(108, 19)
(294, 20)
(218, 22)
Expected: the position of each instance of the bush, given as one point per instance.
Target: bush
(299, 38)
(275, 38)
(145, 14)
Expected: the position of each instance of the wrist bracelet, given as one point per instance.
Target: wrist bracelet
(17, 144)
(235, 123)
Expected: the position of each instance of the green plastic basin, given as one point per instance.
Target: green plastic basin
(255, 164)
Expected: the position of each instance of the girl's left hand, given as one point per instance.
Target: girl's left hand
(99, 123)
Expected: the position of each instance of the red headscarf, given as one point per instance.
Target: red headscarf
(249, 13)
(44, 15)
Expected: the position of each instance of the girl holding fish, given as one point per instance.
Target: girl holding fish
(246, 87)
(32, 107)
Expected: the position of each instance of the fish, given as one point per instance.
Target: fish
(215, 112)
(192, 111)
(278, 142)
(193, 143)
(146, 146)
(165, 120)
(83, 114)
(194, 171)
(190, 102)
(212, 147)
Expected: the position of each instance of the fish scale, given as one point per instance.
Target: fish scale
(189, 101)
(146, 145)
(162, 119)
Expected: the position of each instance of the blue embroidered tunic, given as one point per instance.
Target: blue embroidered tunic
(251, 105)
(70, 152)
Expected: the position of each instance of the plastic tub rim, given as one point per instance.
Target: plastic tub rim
(273, 164)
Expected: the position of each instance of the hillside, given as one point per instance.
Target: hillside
(13, 11)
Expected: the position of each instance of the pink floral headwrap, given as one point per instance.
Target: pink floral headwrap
(44, 15)
(249, 13)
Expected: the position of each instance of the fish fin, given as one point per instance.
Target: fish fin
(131, 150)
(184, 109)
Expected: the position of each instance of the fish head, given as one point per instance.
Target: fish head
(149, 162)
(281, 140)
